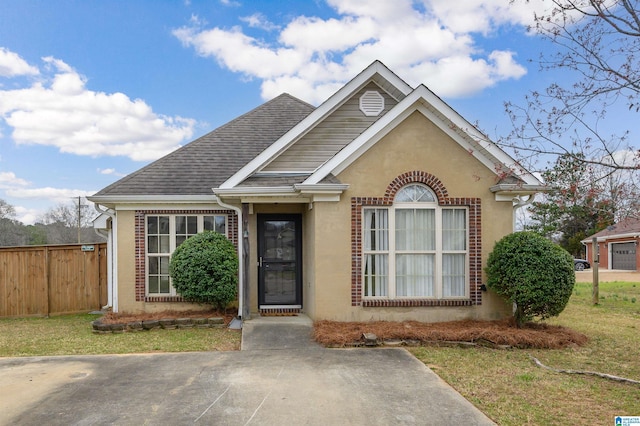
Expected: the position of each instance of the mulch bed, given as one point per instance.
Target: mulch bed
(501, 333)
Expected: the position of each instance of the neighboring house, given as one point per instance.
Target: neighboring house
(380, 204)
(617, 245)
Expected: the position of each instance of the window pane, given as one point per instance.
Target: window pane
(192, 225)
(164, 284)
(152, 244)
(164, 265)
(216, 223)
(181, 225)
(415, 193)
(376, 275)
(164, 244)
(415, 275)
(221, 225)
(152, 224)
(180, 240)
(376, 229)
(163, 225)
(454, 229)
(153, 285)
(153, 265)
(453, 275)
(415, 229)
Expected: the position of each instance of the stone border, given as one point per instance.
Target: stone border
(165, 324)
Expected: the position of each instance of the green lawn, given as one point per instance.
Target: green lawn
(72, 335)
(510, 389)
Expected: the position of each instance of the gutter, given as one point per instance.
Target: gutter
(238, 211)
(112, 261)
(518, 202)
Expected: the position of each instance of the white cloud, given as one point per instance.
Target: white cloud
(11, 64)
(258, 20)
(60, 111)
(110, 171)
(430, 42)
(10, 180)
(57, 195)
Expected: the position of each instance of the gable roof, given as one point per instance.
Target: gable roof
(376, 72)
(420, 99)
(629, 227)
(209, 160)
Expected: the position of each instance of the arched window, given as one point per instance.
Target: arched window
(415, 248)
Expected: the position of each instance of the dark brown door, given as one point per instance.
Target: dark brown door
(280, 259)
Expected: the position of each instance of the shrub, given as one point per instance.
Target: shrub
(204, 269)
(533, 273)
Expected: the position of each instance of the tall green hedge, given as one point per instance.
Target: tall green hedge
(204, 269)
(532, 272)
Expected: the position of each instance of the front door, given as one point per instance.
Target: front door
(280, 260)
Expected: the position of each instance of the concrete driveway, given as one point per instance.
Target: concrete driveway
(302, 385)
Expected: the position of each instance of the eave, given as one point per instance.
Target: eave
(298, 193)
(509, 191)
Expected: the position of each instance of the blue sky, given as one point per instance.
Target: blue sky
(93, 90)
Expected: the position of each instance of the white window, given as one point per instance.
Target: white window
(166, 232)
(415, 249)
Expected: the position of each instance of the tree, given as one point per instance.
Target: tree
(7, 211)
(68, 223)
(533, 273)
(12, 232)
(577, 204)
(599, 43)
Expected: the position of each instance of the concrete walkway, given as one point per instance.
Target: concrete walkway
(280, 377)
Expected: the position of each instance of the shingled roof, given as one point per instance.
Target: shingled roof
(208, 161)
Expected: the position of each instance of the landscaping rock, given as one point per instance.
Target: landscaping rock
(184, 323)
(150, 324)
(168, 323)
(134, 326)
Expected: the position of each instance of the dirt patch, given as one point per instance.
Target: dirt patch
(504, 332)
(113, 318)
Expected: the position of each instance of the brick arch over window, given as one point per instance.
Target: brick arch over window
(475, 242)
(417, 177)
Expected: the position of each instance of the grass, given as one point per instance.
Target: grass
(512, 391)
(72, 335)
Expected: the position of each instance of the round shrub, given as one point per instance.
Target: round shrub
(533, 273)
(204, 269)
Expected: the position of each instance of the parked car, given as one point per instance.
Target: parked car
(581, 264)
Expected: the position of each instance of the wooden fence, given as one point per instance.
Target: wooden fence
(52, 280)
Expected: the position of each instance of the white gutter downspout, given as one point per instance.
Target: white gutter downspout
(238, 211)
(519, 202)
(112, 261)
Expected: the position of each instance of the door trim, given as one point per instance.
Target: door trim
(297, 219)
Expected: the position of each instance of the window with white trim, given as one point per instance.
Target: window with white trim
(415, 248)
(163, 234)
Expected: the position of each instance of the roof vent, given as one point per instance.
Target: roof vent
(371, 103)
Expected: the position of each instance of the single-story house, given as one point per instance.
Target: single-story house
(382, 203)
(616, 245)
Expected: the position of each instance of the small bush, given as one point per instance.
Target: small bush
(204, 269)
(533, 273)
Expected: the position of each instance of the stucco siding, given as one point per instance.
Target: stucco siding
(416, 144)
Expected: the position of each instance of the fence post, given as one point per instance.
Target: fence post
(47, 281)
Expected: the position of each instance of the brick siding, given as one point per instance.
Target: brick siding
(475, 242)
(140, 262)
